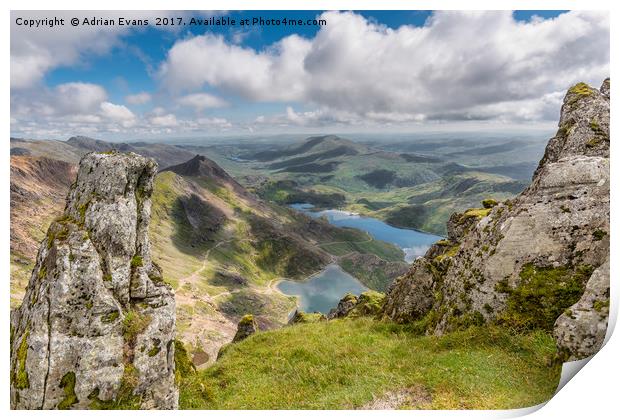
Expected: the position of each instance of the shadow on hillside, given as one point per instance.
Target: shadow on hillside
(196, 224)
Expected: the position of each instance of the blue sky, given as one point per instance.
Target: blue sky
(363, 71)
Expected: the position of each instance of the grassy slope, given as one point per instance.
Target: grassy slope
(346, 363)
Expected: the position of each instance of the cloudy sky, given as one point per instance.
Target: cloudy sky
(361, 72)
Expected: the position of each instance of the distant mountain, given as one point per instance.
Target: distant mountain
(406, 189)
(201, 166)
(75, 147)
(314, 147)
(38, 189)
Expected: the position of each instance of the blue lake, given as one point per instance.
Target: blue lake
(322, 291)
(413, 242)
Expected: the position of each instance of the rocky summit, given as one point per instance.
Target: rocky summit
(97, 324)
(537, 261)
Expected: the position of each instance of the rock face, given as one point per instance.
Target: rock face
(526, 261)
(97, 325)
(581, 329)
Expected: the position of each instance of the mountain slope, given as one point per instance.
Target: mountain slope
(38, 189)
(369, 364)
(404, 189)
(221, 247)
(76, 147)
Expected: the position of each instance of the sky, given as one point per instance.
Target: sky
(366, 72)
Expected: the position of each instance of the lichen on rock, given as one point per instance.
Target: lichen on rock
(71, 345)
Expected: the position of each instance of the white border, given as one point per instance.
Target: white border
(591, 394)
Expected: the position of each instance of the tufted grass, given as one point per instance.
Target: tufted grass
(345, 364)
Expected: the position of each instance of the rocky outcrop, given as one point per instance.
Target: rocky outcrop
(526, 261)
(368, 303)
(246, 327)
(97, 325)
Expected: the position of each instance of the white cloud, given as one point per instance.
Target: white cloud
(138, 98)
(118, 113)
(200, 101)
(214, 122)
(274, 74)
(69, 105)
(78, 98)
(35, 51)
(166, 120)
(460, 65)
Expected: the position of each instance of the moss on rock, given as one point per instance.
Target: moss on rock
(20, 375)
(369, 303)
(541, 295)
(301, 317)
(68, 384)
(183, 366)
(134, 323)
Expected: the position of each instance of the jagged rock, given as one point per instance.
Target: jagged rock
(300, 317)
(97, 324)
(411, 296)
(529, 256)
(246, 327)
(580, 330)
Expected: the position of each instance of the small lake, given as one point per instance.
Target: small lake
(322, 291)
(413, 242)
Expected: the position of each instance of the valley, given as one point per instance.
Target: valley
(222, 248)
(407, 182)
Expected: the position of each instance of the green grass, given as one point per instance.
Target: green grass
(345, 363)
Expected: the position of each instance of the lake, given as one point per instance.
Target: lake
(322, 292)
(414, 243)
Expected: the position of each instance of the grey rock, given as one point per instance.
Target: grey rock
(345, 305)
(561, 221)
(580, 331)
(97, 319)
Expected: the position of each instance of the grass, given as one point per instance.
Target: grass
(346, 363)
